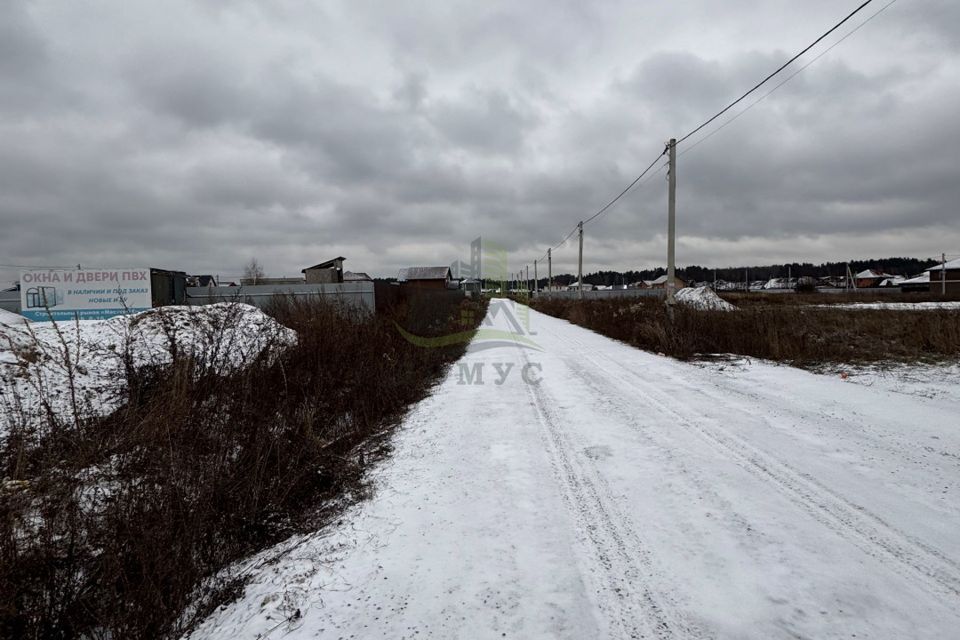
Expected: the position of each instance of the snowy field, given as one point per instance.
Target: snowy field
(618, 494)
(38, 360)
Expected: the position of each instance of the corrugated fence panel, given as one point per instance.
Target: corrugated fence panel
(605, 293)
(358, 294)
(10, 301)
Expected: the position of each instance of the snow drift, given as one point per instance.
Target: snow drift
(703, 298)
(39, 360)
(9, 319)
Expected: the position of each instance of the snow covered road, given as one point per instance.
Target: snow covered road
(586, 489)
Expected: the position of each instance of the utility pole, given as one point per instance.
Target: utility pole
(580, 261)
(943, 274)
(549, 270)
(672, 223)
(536, 281)
(528, 280)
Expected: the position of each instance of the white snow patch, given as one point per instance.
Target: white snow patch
(37, 360)
(703, 298)
(10, 319)
(933, 381)
(895, 306)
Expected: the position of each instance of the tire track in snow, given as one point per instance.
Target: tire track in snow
(628, 600)
(701, 488)
(857, 525)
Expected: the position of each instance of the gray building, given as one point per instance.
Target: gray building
(327, 272)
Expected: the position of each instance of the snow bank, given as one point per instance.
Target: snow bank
(9, 319)
(37, 360)
(895, 306)
(702, 298)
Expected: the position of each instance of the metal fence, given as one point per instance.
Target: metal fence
(356, 294)
(10, 301)
(603, 294)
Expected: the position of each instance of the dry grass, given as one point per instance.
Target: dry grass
(114, 527)
(800, 334)
(757, 299)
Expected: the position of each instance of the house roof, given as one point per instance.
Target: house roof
(350, 276)
(872, 273)
(952, 264)
(918, 280)
(324, 265)
(661, 280)
(424, 273)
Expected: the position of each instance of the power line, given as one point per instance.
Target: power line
(826, 34)
(786, 80)
(782, 67)
(607, 206)
(629, 186)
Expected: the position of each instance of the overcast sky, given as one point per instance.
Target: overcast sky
(191, 136)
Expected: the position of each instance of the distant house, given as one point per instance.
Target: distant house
(327, 272)
(201, 281)
(426, 277)
(915, 285)
(950, 274)
(887, 283)
(870, 278)
(470, 285)
(661, 282)
(575, 286)
(350, 276)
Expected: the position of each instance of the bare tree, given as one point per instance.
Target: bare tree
(253, 271)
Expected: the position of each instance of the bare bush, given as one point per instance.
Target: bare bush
(120, 527)
(802, 334)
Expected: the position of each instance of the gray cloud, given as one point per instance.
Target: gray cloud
(196, 135)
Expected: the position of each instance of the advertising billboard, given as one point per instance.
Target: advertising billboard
(88, 294)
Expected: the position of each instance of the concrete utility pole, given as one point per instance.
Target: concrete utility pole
(528, 279)
(580, 262)
(549, 270)
(536, 281)
(943, 274)
(672, 223)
